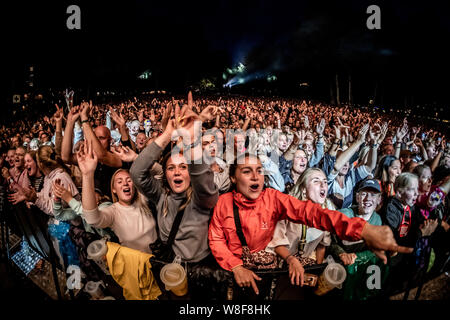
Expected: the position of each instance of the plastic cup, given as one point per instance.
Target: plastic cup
(96, 251)
(93, 288)
(333, 276)
(174, 278)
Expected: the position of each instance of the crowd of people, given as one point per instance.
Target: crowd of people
(235, 184)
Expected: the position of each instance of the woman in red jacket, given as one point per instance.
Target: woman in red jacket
(259, 211)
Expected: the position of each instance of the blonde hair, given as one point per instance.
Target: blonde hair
(403, 180)
(299, 189)
(138, 199)
(47, 158)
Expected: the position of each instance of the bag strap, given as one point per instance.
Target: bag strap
(174, 229)
(302, 243)
(237, 222)
(175, 226)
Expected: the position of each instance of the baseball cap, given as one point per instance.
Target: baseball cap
(370, 184)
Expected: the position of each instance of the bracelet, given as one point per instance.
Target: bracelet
(84, 121)
(320, 136)
(192, 145)
(375, 145)
(286, 259)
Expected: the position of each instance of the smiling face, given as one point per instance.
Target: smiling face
(177, 174)
(300, 161)
(394, 170)
(368, 199)
(30, 165)
(123, 188)
(317, 187)
(249, 178)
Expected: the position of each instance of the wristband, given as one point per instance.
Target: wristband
(375, 145)
(84, 121)
(286, 259)
(192, 145)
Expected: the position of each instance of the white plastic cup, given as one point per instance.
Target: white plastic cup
(333, 276)
(96, 251)
(94, 289)
(108, 298)
(174, 278)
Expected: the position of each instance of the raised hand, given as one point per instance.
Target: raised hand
(117, 118)
(306, 122)
(299, 137)
(58, 116)
(60, 192)
(320, 127)
(86, 110)
(87, 158)
(141, 116)
(401, 132)
(209, 113)
(168, 112)
(124, 153)
(384, 130)
(363, 132)
(375, 135)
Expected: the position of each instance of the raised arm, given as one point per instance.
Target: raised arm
(140, 172)
(87, 161)
(66, 148)
(104, 156)
(345, 156)
(58, 116)
(121, 123)
(377, 238)
(299, 139)
(401, 133)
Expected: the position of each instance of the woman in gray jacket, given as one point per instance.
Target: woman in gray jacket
(187, 185)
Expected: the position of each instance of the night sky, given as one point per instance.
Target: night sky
(182, 42)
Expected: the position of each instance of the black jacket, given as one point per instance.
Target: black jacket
(393, 214)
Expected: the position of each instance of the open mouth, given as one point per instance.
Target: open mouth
(127, 191)
(367, 205)
(322, 194)
(178, 182)
(254, 187)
